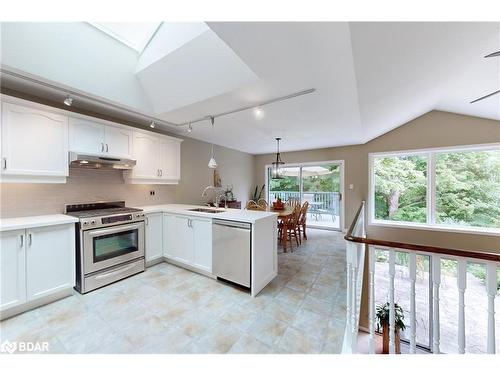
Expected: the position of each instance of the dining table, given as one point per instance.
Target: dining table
(286, 211)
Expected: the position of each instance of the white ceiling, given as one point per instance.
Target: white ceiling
(369, 77)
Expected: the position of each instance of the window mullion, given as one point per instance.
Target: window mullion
(431, 189)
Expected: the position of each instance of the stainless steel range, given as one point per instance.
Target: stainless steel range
(109, 243)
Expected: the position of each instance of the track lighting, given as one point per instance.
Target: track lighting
(212, 164)
(152, 125)
(259, 113)
(68, 101)
(190, 128)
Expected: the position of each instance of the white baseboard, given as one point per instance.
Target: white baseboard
(8, 313)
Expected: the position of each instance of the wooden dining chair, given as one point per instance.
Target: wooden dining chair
(290, 225)
(303, 219)
(293, 201)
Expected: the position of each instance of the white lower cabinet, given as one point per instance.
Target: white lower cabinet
(202, 230)
(188, 240)
(50, 260)
(12, 268)
(154, 236)
(36, 263)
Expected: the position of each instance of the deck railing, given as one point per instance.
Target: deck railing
(328, 201)
(358, 244)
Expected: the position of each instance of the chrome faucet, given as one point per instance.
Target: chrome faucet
(217, 194)
(217, 199)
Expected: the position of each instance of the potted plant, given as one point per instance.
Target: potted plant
(382, 316)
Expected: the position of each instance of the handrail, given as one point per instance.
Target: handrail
(416, 247)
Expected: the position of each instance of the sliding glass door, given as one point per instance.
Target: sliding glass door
(318, 184)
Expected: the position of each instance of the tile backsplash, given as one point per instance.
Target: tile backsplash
(82, 186)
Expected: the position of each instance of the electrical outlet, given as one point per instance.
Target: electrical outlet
(151, 192)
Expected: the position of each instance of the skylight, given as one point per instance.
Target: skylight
(135, 35)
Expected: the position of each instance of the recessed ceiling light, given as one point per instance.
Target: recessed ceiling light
(84, 162)
(68, 101)
(259, 113)
(152, 125)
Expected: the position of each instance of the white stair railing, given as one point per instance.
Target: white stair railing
(355, 259)
(356, 245)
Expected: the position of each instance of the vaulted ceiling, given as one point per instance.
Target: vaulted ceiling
(369, 77)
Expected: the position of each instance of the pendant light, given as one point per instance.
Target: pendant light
(277, 166)
(212, 164)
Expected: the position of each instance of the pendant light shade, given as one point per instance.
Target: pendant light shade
(277, 166)
(212, 164)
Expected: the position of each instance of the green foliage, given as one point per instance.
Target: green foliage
(382, 316)
(400, 188)
(258, 194)
(467, 188)
(328, 182)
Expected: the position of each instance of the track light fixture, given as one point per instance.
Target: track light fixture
(68, 101)
(152, 125)
(190, 128)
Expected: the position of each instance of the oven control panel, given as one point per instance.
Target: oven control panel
(109, 220)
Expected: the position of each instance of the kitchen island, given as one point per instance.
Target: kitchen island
(187, 239)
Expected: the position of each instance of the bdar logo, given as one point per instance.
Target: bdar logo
(8, 347)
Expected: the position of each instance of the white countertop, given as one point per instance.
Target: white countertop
(35, 221)
(247, 216)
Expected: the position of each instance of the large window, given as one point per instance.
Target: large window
(440, 188)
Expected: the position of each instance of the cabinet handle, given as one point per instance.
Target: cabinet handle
(30, 239)
(107, 148)
(22, 240)
(102, 146)
(147, 220)
(4, 163)
(161, 172)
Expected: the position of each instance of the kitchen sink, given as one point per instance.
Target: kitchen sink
(206, 210)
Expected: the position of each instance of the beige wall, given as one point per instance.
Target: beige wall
(235, 168)
(434, 129)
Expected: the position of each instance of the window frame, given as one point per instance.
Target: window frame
(430, 223)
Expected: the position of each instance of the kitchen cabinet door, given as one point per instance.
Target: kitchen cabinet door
(118, 142)
(34, 142)
(170, 160)
(50, 260)
(202, 231)
(154, 236)
(146, 152)
(12, 268)
(183, 251)
(169, 236)
(86, 136)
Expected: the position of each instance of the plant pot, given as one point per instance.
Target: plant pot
(385, 340)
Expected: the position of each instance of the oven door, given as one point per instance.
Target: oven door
(107, 247)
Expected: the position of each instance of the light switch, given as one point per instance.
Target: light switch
(351, 187)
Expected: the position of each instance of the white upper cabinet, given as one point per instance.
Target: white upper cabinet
(95, 138)
(170, 160)
(86, 136)
(146, 148)
(34, 144)
(118, 141)
(158, 159)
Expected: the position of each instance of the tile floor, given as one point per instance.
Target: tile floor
(170, 310)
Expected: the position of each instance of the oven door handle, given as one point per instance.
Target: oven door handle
(115, 272)
(115, 229)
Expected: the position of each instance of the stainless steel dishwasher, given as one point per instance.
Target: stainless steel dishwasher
(231, 251)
